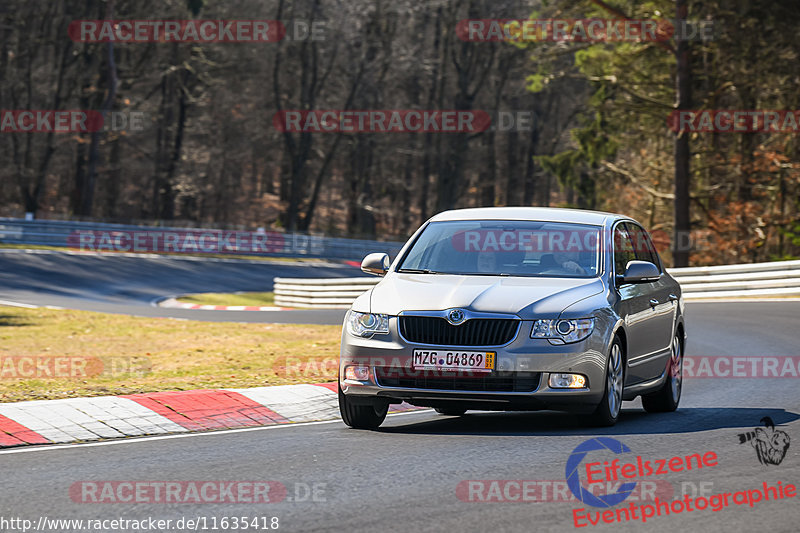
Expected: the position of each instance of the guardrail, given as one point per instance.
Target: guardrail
(331, 293)
(729, 281)
(95, 236)
(781, 278)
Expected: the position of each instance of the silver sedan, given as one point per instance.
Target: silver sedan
(515, 308)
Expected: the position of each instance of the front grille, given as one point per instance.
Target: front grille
(472, 332)
(459, 381)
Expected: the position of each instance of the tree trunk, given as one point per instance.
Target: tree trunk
(682, 223)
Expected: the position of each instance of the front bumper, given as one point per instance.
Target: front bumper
(519, 381)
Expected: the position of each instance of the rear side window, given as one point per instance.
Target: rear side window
(642, 244)
(623, 249)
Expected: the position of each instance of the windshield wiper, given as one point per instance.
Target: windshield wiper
(418, 271)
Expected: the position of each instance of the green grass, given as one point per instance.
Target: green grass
(162, 354)
(237, 298)
(30, 247)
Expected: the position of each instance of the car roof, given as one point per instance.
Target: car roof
(550, 214)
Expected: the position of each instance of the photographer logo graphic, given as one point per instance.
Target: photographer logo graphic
(575, 461)
(770, 444)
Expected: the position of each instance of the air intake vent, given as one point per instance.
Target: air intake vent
(433, 380)
(472, 332)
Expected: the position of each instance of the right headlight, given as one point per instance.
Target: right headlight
(366, 324)
(565, 329)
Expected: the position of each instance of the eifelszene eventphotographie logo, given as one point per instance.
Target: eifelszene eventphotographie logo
(623, 474)
(574, 463)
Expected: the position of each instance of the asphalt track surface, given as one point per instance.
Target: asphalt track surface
(404, 477)
(128, 284)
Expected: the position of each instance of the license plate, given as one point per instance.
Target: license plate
(453, 360)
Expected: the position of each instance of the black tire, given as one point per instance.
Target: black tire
(361, 416)
(450, 411)
(667, 398)
(607, 412)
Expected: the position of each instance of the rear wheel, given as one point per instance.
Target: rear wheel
(450, 411)
(667, 398)
(607, 411)
(361, 416)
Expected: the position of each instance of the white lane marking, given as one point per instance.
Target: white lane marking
(740, 300)
(171, 302)
(44, 448)
(18, 304)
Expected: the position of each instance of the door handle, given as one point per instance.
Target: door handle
(672, 297)
(653, 302)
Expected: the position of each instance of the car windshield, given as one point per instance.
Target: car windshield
(505, 248)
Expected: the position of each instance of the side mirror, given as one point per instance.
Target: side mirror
(639, 272)
(377, 264)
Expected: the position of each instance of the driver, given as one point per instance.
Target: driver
(569, 261)
(487, 262)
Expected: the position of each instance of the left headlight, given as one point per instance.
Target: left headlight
(565, 330)
(366, 324)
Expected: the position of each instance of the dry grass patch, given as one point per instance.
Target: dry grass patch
(182, 355)
(257, 299)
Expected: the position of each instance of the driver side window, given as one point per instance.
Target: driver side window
(623, 249)
(642, 245)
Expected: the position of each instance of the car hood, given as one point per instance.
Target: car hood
(525, 297)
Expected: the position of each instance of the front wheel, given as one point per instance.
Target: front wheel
(361, 416)
(607, 411)
(666, 399)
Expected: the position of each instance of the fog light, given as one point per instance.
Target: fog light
(567, 381)
(356, 373)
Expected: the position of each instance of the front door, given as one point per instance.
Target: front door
(646, 311)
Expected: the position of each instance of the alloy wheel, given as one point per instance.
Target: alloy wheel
(614, 380)
(676, 369)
